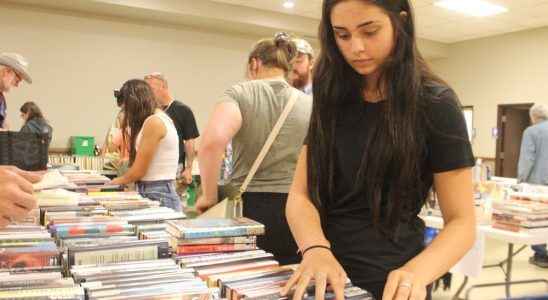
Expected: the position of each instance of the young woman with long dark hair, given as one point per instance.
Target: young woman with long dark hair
(383, 130)
(153, 145)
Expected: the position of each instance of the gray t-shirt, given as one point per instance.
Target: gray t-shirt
(261, 103)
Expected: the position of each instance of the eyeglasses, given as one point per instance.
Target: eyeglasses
(18, 77)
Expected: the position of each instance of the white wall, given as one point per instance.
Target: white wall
(505, 69)
(76, 61)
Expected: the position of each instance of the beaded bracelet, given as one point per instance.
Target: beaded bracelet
(315, 246)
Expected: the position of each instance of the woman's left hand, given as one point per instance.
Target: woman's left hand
(402, 285)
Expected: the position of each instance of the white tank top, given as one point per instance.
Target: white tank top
(163, 165)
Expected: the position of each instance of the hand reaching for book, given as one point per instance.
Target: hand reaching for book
(203, 203)
(16, 193)
(404, 284)
(320, 268)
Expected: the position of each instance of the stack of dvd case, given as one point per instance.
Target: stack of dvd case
(27, 248)
(148, 279)
(133, 208)
(30, 265)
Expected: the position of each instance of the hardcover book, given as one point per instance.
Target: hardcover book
(205, 228)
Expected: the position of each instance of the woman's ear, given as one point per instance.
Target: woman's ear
(403, 15)
(253, 68)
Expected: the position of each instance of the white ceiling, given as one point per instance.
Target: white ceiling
(437, 28)
(435, 23)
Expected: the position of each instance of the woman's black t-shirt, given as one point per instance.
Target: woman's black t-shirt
(366, 256)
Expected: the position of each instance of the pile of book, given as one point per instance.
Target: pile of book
(194, 236)
(522, 212)
(75, 180)
(158, 279)
(217, 246)
(133, 208)
(85, 176)
(152, 231)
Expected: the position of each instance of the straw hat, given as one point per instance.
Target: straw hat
(18, 63)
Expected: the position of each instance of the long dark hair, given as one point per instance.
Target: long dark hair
(395, 144)
(139, 105)
(32, 109)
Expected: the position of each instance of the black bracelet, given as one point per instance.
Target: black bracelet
(315, 246)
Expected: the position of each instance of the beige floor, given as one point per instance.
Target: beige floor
(495, 252)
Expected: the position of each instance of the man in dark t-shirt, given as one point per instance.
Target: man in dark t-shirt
(183, 119)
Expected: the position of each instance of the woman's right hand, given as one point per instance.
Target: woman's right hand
(318, 264)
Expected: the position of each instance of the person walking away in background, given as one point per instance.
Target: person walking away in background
(533, 164)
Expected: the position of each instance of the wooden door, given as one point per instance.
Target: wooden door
(512, 120)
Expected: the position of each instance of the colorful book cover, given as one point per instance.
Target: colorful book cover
(204, 228)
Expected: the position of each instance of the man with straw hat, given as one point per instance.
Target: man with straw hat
(13, 69)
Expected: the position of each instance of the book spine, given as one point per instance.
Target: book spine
(57, 292)
(214, 248)
(71, 231)
(221, 240)
(102, 256)
(218, 232)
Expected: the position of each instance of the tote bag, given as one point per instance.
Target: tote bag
(25, 150)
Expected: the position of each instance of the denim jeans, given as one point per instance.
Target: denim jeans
(161, 190)
(540, 250)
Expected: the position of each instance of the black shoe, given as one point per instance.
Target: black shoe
(539, 261)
